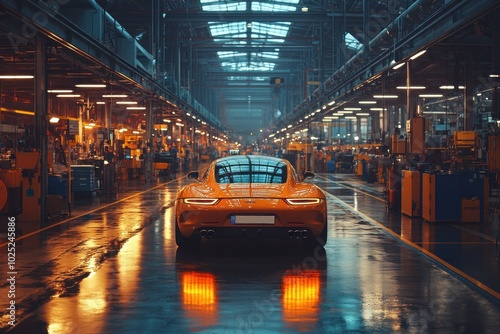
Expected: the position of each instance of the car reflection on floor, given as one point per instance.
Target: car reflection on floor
(292, 299)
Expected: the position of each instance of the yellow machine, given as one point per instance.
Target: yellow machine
(466, 145)
(411, 193)
(415, 132)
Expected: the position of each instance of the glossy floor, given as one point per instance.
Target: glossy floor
(115, 268)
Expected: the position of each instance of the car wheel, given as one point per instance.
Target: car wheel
(319, 240)
(184, 242)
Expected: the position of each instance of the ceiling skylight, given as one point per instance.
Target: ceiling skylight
(253, 34)
(352, 42)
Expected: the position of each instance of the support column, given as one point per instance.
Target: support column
(468, 96)
(41, 114)
(147, 156)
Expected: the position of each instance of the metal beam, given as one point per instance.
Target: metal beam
(253, 16)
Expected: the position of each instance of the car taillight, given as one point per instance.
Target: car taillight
(303, 201)
(201, 201)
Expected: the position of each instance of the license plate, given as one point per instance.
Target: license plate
(252, 220)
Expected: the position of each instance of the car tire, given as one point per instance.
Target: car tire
(183, 242)
(319, 240)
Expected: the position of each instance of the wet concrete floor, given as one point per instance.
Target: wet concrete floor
(113, 267)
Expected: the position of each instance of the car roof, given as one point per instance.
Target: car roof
(245, 159)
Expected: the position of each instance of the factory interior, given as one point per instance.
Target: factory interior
(394, 100)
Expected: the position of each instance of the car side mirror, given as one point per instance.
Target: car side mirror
(193, 175)
(308, 175)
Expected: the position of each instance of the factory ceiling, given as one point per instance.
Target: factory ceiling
(256, 66)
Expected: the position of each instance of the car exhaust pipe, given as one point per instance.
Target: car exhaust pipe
(298, 234)
(291, 234)
(304, 234)
(260, 233)
(210, 234)
(203, 233)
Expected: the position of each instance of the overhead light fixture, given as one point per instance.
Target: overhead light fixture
(115, 95)
(430, 95)
(305, 9)
(363, 114)
(345, 112)
(352, 108)
(60, 91)
(136, 108)
(494, 75)
(126, 102)
(54, 119)
(367, 102)
(350, 117)
(100, 102)
(439, 112)
(90, 85)
(16, 76)
(397, 66)
(411, 87)
(68, 95)
(418, 54)
(385, 96)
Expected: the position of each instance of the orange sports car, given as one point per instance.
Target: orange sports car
(250, 196)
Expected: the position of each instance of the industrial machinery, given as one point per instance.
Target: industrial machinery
(411, 193)
(465, 147)
(29, 163)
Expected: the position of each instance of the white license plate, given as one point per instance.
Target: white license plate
(252, 220)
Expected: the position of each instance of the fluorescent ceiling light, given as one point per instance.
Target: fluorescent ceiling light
(16, 76)
(431, 95)
(345, 112)
(54, 119)
(451, 87)
(100, 102)
(350, 117)
(439, 112)
(397, 66)
(136, 108)
(385, 96)
(363, 114)
(367, 102)
(68, 95)
(115, 95)
(418, 54)
(352, 108)
(90, 85)
(494, 75)
(126, 102)
(60, 91)
(411, 87)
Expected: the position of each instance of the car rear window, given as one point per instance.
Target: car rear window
(250, 171)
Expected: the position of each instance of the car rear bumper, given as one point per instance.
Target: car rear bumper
(276, 233)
